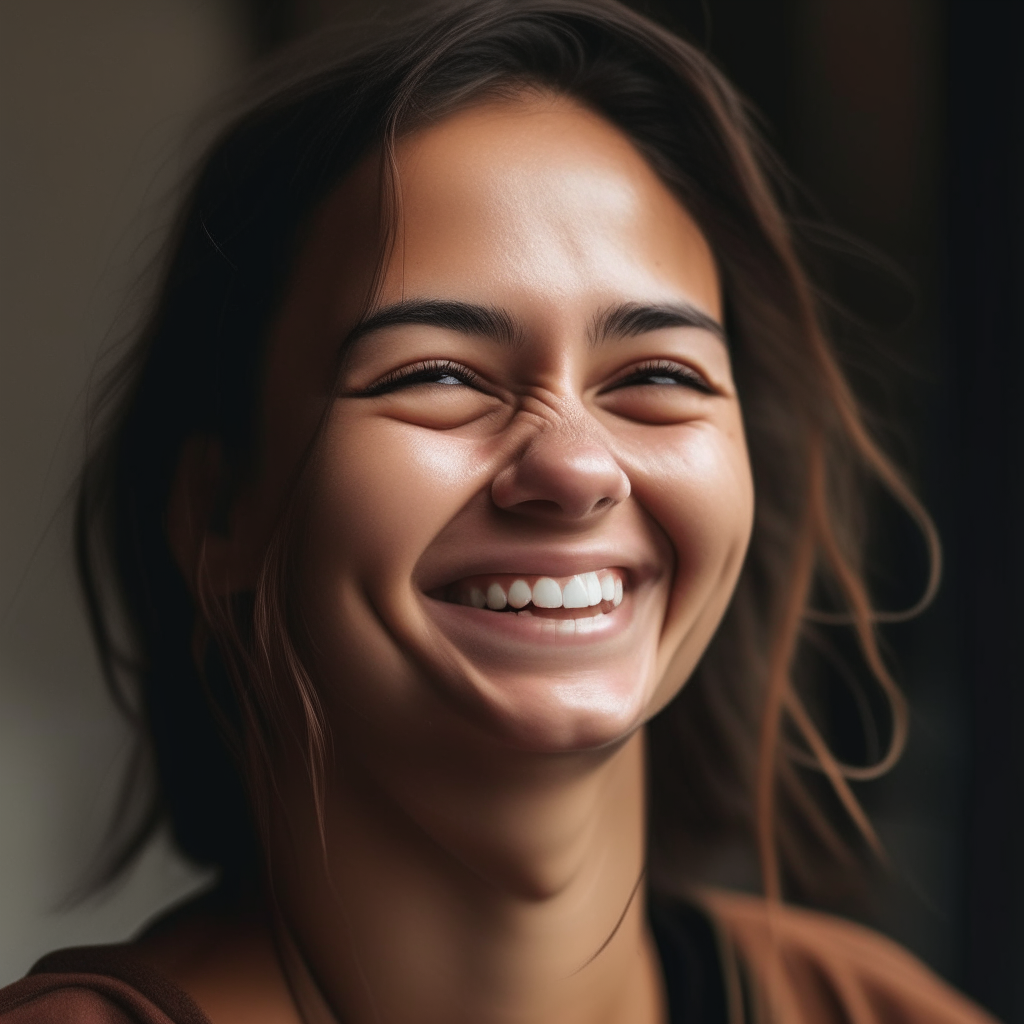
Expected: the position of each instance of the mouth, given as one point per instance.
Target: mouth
(542, 652)
(568, 598)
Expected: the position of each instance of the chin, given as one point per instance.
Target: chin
(535, 685)
(560, 713)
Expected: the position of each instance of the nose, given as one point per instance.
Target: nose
(564, 472)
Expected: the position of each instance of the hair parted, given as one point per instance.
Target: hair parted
(202, 677)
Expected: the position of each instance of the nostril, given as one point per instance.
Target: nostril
(557, 475)
(540, 507)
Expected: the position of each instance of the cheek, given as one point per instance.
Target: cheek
(381, 489)
(696, 481)
(696, 484)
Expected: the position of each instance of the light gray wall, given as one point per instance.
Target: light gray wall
(95, 99)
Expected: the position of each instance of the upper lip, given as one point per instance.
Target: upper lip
(535, 561)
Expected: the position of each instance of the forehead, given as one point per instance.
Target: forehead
(535, 195)
(539, 194)
(534, 203)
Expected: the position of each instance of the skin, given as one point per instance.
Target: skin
(483, 824)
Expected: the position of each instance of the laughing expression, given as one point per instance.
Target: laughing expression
(531, 498)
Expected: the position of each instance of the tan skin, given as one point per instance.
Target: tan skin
(484, 799)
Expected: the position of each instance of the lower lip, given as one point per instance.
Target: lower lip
(476, 625)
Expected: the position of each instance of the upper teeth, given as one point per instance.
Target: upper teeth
(582, 591)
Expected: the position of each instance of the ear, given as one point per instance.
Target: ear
(202, 531)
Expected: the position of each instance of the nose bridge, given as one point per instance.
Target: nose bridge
(565, 467)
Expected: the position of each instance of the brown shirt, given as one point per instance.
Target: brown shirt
(796, 966)
(96, 985)
(804, 967)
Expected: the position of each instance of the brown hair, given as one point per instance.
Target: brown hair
(728, 756)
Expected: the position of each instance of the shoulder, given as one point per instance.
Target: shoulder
(95, 985)
(813, 967)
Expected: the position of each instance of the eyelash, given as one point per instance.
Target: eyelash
(676, 372)
(422, 373)
(428, 373)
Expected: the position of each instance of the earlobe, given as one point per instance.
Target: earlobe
(200, 528)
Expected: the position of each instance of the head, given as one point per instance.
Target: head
(507, 295)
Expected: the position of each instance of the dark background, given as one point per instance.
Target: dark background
(903, 119)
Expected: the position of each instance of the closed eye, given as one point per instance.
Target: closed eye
(433, 371)
(663, 372)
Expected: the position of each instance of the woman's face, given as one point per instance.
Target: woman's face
(532, 497)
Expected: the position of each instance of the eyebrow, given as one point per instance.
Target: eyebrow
(626, 320)
(450, 315)
(630, 319)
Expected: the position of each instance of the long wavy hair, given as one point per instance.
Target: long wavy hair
(735, 755)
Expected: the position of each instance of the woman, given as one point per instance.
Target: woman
(484, 405)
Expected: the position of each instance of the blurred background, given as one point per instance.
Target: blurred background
(904, 122)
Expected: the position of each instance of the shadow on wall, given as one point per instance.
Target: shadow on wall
(97, 96)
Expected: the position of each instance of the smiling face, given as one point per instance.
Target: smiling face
(532, 496)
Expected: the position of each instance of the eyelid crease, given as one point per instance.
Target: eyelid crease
(686, 375)
(408, 374)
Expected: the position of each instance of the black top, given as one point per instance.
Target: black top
(690, 962)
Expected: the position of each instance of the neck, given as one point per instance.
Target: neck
(511, 893)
